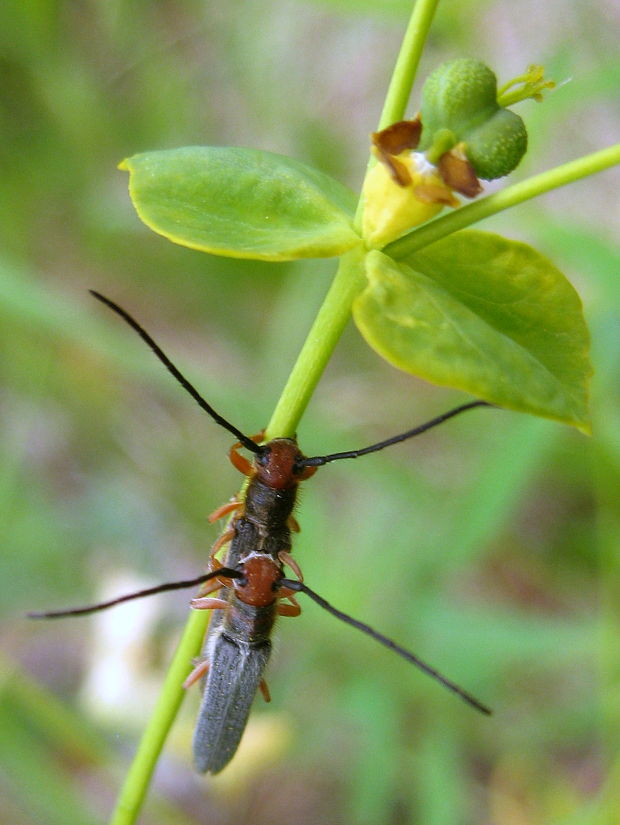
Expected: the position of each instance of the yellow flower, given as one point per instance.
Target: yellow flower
(405, 189)
(401, 193)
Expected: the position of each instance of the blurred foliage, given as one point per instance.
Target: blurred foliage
(489, 546)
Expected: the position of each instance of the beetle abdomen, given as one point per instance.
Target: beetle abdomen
(235, 672)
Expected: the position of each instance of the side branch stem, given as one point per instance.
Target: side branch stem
(511, 196)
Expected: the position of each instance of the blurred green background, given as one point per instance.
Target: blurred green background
(488, 546)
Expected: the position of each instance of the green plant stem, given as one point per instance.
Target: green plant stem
(137, 781)
(404, 74)
(318, 347)
(407, 62)
(336, 309)
(316, 352)
(513, 195)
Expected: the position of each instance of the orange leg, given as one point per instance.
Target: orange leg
(265, 690)
(227, 536)
(207, 603)
(285, 593)
(293, 524)
(240, 462)
(292, 600)
(309, 471)
(197, 673)
(214, 564)
(214, 584)
(288, 610)
(224, 510)
(210, 587)
(286, 558)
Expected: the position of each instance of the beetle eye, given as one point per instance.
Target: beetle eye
(262, 458)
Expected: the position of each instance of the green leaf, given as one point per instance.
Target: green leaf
(483, 314)
(242, 203)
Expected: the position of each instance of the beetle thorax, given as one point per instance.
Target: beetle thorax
(278, 465)
(259, 584)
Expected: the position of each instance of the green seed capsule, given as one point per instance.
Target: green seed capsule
(461, 96)
(496, 147)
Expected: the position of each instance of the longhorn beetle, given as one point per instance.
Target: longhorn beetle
(252, 583)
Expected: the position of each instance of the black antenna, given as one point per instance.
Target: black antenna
(291, 584)
(319, 460)
(300, 587)
(244, 439)
(227, 572)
